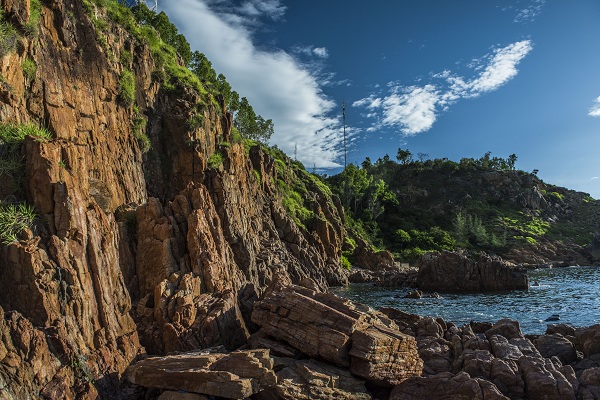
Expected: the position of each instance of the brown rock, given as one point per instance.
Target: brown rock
(455, 272)
(543, 381)
(446, 386)
(235, 375)
(310, 379)
(172, 395)
(506, 328)
(588, 340)
(556, 345)
(339, 331)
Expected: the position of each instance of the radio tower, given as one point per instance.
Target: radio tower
(130, 3)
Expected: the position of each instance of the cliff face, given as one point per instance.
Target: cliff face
(133, 250)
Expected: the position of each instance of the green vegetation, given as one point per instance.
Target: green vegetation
(215, 160)
(13, 219)
(414, 206)
(29, 69)
(15, 133)
(8, 36)
(127, 87)
(139, 132)
(32, 27)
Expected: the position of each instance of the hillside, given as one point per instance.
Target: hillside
(411, 207)
(139, 215)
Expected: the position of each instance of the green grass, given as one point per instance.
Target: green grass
(11, 165)
(8, 36)
(215, 160)
(16, 133)
(127, 88)
(32, 27)
(13, 219)
(29, 69)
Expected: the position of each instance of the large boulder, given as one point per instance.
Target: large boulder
(556, 345)
(323, 325)
(588, 340)
(456, 272)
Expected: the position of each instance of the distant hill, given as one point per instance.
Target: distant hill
(411, 207)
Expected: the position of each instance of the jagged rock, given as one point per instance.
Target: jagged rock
(235, 375)
(446, 386)
(588, 340)
(313, 380)
(543, 381)
(451, 271)
(364, 256)
(556, 345)
(590, 384)
(339, 331)
(407, 322)
(506, 328)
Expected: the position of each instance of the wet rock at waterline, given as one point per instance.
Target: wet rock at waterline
(456, 272)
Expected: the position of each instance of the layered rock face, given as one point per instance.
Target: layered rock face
(127, 244)
(311, 345)
(455, 272)
(346, 334)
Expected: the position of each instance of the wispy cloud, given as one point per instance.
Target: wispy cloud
(595, 110)
(414, 109)
(289, 91)
(530, 13)
(311, 51)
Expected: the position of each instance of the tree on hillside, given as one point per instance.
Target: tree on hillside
(512, 160)
(404, 156)
(250, 125)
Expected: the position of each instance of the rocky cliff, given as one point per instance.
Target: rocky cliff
(159, 250)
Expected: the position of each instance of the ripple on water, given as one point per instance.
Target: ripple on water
(570, 292)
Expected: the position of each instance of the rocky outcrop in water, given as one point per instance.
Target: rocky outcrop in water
(456, 272)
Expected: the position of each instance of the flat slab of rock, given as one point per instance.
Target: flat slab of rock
(235, 375)
(323, 325)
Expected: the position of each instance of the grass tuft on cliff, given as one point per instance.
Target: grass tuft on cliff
(127, 88)
(15, 133)
(13, 219)
(8, 36)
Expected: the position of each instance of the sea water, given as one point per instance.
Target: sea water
(572, 293)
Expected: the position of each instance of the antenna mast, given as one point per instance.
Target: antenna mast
(132, 3)
(344, 119)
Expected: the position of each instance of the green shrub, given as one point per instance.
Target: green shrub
(346, 263)
(31, 29)
(29, 69)
(139, 132)
(8, 36)
(126, 58)
(127, 87)
(196, 121)
(16, 133)
(13, 219)
(215, 160)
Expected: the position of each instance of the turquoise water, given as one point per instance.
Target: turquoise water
(573, 293)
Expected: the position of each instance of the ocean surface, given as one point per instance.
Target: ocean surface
(573, 293)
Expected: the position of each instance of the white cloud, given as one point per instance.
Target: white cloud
(595, 110)
(595, 177)
(530, 13)
(321, 52)
(288, 91)
(415, 109)
(311, 51)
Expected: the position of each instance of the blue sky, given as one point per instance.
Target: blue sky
(447, 78)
